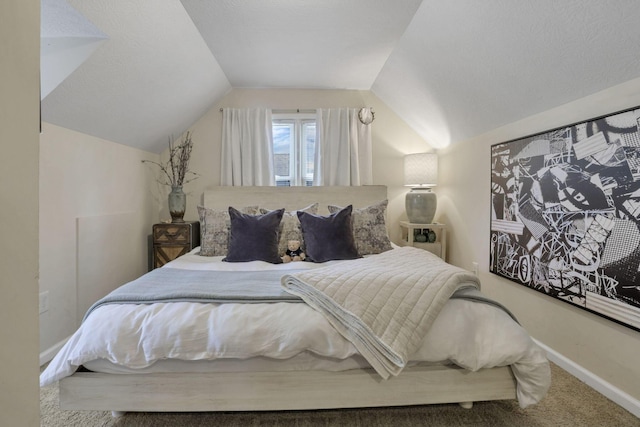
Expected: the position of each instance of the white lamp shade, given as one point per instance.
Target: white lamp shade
(421, 170)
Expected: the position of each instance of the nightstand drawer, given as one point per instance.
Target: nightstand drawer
(173, 240)
(171, 233)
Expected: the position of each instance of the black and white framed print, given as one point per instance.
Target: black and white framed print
(565, 214)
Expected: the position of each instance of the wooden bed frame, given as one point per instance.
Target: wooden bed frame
(294, 390)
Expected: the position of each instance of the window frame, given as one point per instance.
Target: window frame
(297, 150)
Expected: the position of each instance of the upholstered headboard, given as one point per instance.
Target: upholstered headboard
(292, 198)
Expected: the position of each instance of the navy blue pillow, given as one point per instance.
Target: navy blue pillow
(328, 237)
(254, 237)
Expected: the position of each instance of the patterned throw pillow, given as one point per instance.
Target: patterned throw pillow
(290, 227)
(214, 229)
(328, 237)
(254, 237)
(369, 228)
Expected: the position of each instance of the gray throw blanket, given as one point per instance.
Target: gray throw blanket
(176, 285)
(384, 304)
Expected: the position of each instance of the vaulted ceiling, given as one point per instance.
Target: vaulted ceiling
(452, 69)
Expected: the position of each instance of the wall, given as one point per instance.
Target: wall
(87, 183)
(391, 138)
(19, 125)
(603, 347)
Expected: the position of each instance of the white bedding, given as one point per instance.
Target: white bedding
(472, 335)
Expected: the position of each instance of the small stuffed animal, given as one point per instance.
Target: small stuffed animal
(294, 252)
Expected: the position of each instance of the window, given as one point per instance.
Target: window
(294, 141)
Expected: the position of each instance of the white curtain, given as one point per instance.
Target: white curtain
(343, 148)
(247, 147)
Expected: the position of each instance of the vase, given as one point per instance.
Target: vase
(177, 204)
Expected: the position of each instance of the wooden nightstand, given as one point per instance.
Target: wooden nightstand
(437, 247)
(174, 239)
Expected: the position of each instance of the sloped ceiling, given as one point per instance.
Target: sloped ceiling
(152, 79)
(67, 40)
(464, 67)
(452, 69)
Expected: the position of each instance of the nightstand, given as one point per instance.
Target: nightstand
(174, 239)
(438, 246)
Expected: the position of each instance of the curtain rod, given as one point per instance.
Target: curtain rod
(293, 110)
(363, 116)
(290, 110)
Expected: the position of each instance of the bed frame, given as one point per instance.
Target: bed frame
(294, 390)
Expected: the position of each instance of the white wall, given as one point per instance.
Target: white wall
(87, 183)
(605, 348)
(19, 125)
(392, 139)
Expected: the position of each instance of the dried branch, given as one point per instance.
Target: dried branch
(176, 169)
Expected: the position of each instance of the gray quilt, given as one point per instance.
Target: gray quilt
(174, 285)
(384, 304)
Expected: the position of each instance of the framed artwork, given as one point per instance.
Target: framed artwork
(565, 214)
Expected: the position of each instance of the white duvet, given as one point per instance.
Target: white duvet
(471, 335)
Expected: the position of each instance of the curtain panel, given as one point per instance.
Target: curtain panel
(247, 147)
(343, 148)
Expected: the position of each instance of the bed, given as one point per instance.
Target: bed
(298, 359)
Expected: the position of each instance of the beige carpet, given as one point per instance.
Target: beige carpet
(569, 403)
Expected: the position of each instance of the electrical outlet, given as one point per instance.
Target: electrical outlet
(474, 267)
(43, 304)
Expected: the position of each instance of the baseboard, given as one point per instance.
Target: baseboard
(49, 353)
(603, 387)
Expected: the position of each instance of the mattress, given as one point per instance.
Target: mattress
(304, 361)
